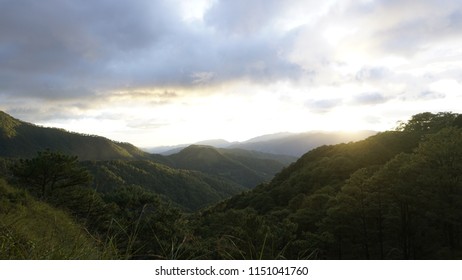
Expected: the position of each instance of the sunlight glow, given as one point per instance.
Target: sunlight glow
(194, 10)
(334, 34)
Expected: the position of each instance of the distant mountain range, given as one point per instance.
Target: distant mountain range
(284, 143)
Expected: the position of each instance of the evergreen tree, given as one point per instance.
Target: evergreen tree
(49, 171)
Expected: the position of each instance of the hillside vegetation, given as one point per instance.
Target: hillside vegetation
(395, 195)
(31, 229)
(49, 211)
(188, 189)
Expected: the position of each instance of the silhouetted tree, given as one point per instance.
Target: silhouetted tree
(49, 171)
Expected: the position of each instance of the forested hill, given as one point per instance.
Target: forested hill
(395, 195)
(22, 139)
(246, 168)
(188, 189)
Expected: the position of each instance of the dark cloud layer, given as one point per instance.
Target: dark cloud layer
(57, 48)
(64, 48)
(243, 17)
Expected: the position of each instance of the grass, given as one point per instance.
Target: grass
(30, 229)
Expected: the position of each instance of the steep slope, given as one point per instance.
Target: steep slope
(8, 125)
(245, 168)
(21, 139)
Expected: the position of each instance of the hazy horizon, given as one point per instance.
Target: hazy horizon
(246, 140)
(211, 142)
(162, 73)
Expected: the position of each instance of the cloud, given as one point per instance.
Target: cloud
(369, 98)
(429, 95)
(372, 73)
(407, 27)
(323, 105)
(241, 17)
(140, 96)
(63, 49)
(143, 124)
(202, 77)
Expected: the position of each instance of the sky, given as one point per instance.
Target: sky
(167, 72)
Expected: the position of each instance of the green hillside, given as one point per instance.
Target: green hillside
(21, 139)
(395, 195)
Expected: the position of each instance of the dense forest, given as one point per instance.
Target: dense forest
(394, 195)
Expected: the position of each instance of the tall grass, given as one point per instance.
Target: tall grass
(30, 229)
